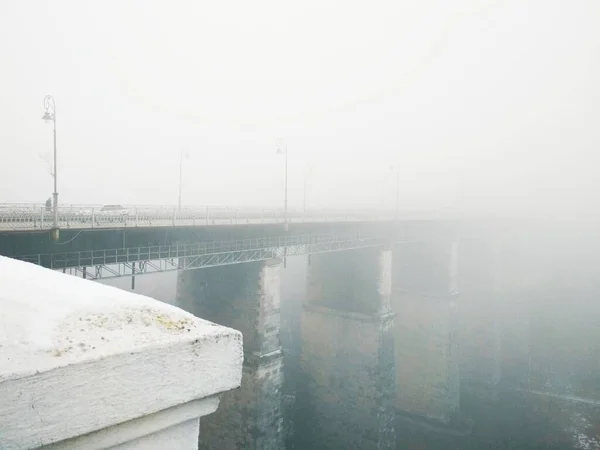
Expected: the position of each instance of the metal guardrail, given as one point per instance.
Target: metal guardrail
(119, 262)
(36, 217)
(112, 263)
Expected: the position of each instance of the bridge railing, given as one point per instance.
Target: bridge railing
(35, 217)
(107, 257)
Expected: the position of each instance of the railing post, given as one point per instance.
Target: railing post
(42, 218)
(207, 215)
(93, 217)
(136, 217)
(133, 275)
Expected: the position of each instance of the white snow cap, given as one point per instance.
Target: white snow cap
(67, 343)
(52, 317)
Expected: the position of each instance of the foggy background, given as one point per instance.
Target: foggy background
(482, 105)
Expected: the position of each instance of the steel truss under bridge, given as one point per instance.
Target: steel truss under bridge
(113, 263)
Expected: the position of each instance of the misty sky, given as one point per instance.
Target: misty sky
(483, 105)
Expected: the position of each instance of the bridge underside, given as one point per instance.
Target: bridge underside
(18, 243)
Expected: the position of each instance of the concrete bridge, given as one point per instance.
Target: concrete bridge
(398, 315)
(23, 217)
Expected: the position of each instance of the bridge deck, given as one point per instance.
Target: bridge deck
(38, 218)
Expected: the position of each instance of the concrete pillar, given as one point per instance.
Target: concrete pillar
(495, 312)
(245, 297)
(480, 332)
(346, 390)
(424, 300)
(513, 296)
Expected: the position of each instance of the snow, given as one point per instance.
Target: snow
(77, 356)
(51, 319)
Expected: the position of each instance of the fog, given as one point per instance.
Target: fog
(474, 107)
(481, 106)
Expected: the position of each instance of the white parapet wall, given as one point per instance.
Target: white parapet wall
(88, 366)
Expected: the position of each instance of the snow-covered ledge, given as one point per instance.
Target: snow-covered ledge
(88, 366)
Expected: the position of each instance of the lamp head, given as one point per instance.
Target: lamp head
(280, 146)
(47, 117)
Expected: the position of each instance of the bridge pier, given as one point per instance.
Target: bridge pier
(245, 297)
(424, 301)
(345, 397)
(480, 325)
(495, 320)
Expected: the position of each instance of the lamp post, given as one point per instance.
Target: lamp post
(50, 117)
(182, 154)
(306, 175)
(282, 149)
(397, 193)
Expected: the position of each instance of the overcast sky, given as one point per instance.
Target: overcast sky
(479, 104)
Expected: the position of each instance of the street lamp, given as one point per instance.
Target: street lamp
(306, 175)
(397, 193)
(182, 154)
(50, 117)
(282, 149)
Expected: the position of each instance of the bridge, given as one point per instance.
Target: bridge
(14, 217)
(111, 263)
(401, 314)
(136, 240)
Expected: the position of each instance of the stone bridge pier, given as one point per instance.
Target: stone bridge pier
(495, 313)
(480, 326)
(424, 299)
(245, 297)
(345, 397)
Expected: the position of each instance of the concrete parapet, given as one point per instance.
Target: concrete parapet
(88, 366)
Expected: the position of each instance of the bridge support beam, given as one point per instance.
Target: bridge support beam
(424, 300)
(245, 297)
(345, 396)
